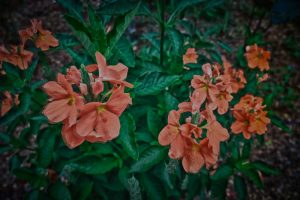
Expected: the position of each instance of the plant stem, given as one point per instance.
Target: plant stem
(162, 31)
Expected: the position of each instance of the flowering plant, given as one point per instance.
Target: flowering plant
(163, 116)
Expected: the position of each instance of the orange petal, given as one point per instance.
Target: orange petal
(54, 90)
(192, 162)
(177, 147)
(70, 137)
(57, 111)
(86, 123)
(167, 135)
(118, 101)
(108, 125)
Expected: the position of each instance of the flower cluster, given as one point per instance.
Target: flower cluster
(17, 54)
(250, 116)
(197, 140)
(237, 78)
(7, 102)
(89, 110)
(257, 57)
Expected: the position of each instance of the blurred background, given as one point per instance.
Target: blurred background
(276, 21)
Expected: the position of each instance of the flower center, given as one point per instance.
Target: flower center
(100, 108)
(71, 100)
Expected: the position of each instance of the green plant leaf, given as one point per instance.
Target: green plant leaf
(29, 72)
(170, 102)
(59, 191)
(253, 176)
(223, 172)
(176, 40)
(265, 168)
(83, 187)
(180, 6)
(154, 122)
(121, 24)
(240, 187)
(149, 158)
(86, 42)
(46, 141)
(153, 187)
(94, 165)
(127, 135)
(36, 179)
(123, 51)
(154, 83)
(117, 7)
(73, 6)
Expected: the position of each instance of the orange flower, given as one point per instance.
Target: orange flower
(70, 136)
(114, 74)
(73, 75)
(25, 34)
(65, 103)
(7, 102)
(170, 135)
(237, 78)
(190, 56)
(257, 57)
(197, 154)
(44, 38)
(17, 56)
(100, 121)
(250, 117)
(216, 134)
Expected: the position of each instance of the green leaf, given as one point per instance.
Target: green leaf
(121, 24)
(171, 103)
(225, 46)
(94, 165)
(86, 42)
(83, 187)
(153, 187)
(218, 189)
(66, 40)
(127, 135)
(29, 72)
(150, 157)
(77, 57)
(240, 187)
(279, 123)
(77, 25)
(73, 6)
(97, 31)
(265, 168)
(117, 7)
(180, 6)
(35, 178)
(154, 83)
(4, 138)
(154, 122)
(176, 40)
(25, 100)
(246, 149)
(46, 141)
(223, 172)
(253, 176)
(59, 191)
(123, 51)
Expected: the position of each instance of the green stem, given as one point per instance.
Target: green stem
(162, 31)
